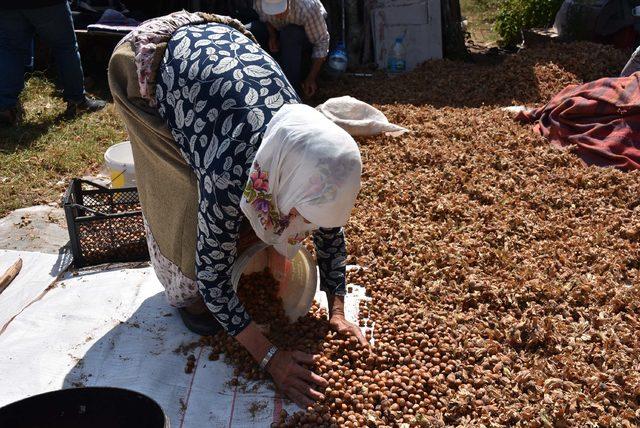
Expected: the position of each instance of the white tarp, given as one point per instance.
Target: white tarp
(40, 228)
(38, 272)
(114, 328)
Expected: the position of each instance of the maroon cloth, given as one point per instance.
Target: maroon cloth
(600, 118)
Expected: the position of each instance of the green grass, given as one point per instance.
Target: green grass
(38, 158)
(481, 15)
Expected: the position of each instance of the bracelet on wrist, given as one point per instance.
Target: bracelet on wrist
(268, 356)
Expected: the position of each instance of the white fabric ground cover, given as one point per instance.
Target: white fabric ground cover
(113, 327)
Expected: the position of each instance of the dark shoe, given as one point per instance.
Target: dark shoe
(11, 116)
(203, 324)
(86, 106)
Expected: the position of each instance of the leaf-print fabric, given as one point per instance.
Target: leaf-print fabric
(217, 91)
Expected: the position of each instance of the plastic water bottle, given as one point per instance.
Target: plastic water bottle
(338, 58)
(396, 62)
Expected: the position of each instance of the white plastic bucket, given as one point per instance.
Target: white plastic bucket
(298, 277)
(119, 162)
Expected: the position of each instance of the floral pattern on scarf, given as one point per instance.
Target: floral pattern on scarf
(257, 193)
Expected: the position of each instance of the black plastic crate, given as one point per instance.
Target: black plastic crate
(105, 225)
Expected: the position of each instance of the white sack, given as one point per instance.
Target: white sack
(358, 118)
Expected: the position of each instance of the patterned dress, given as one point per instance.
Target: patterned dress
(218, 91)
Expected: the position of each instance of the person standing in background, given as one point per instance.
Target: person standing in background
(51, 20)
(289, 29)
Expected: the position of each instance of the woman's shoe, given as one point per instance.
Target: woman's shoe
(203, 324)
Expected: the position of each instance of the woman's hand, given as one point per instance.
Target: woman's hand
(346, 328)
(339, 323)
(285, 367)
(294, 380)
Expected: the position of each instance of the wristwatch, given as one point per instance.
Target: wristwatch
(268, 356)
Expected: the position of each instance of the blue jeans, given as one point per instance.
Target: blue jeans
(54, 25)
(293, 46)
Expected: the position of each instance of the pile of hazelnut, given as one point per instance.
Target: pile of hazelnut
(504, 274)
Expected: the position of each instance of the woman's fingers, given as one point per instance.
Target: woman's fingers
(309, 376)
(294, 380)
(358, 333)
(353, 330)
(298, 397)
(303, 358)
(307, 390)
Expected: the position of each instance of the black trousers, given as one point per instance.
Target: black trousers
(295, 50)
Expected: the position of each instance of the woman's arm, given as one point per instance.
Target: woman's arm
(331, 253)
(216, 253)
(218, 227)
(286, 368)
(254, 341)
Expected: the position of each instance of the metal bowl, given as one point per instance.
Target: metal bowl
(91, 407)
(297, 277)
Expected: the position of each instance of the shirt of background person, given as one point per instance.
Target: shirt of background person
(309, 14)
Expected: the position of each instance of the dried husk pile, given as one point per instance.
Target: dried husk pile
(532, 76)
(504, 274)
(512, 259)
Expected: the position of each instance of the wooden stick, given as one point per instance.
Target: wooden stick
(10, 275)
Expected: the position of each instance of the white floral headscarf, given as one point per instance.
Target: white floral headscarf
(305, 162)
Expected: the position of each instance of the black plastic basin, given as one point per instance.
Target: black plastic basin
(93, 407)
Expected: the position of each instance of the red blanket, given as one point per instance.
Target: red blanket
(600, 118)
